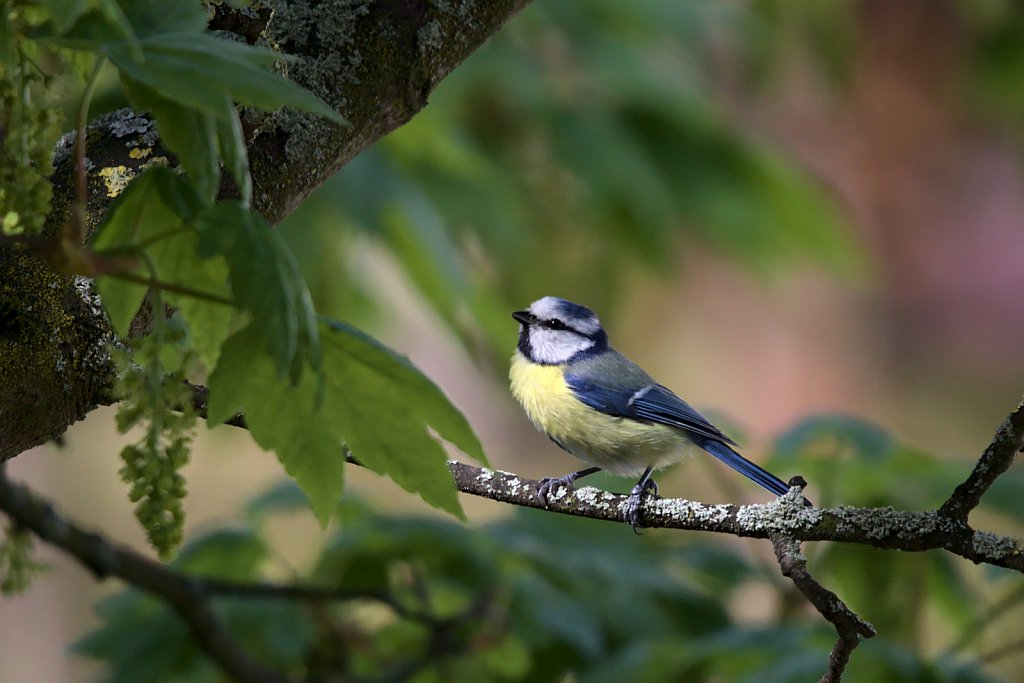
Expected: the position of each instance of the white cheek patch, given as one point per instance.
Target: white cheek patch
(556, 346)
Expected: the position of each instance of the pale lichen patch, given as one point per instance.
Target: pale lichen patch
(594, 497)
(116, 178)
(989, 545)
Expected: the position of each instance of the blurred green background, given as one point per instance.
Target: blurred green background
(806, 218)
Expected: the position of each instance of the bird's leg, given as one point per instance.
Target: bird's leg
(633, 513)
(548, 483)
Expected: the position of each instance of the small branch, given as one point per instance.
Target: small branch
(200, 402)
(997, 458)
(849, 627)
(185, 595)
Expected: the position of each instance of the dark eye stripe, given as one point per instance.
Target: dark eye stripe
(555, 324)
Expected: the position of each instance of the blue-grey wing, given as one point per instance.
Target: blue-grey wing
(651, 403)
(658, 404)
(655, 403)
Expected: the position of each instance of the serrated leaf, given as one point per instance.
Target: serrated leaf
(266, 281)
(374, 401)
(383, 407)
(424, 397)
(196, 70)
(281, 417)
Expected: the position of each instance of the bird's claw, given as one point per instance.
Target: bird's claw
(633, 512)
(549, 483)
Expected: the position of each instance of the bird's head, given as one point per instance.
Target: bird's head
(553, 331)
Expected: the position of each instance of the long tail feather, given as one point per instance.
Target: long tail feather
(745, 467)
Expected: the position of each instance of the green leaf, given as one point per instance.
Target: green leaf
(155, 17)
(284, 496)
(64, 12)
(374, 401)
(384, 406)
(156, 207)
(232, 554)
(106, 24)
(114, 13)
(177, 261)
(139, 212)
(234, 152)
(281, 417)
(190, 133)
(423, 396)
(196, 70)
(865, 439)
(266, 281)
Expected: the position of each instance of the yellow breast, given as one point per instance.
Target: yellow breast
(619, 445)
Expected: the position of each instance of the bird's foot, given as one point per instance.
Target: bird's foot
(549, 484)
(633, 512)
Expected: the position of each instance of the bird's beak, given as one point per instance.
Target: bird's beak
(525, 317)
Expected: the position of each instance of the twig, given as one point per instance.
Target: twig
(997, 458)
(200, 402)
(187, 596)
(849, 627)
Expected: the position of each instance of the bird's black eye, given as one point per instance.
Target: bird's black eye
(555, 324)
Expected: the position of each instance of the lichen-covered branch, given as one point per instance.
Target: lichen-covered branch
(787, 516)
(997, 458)
(375, 61)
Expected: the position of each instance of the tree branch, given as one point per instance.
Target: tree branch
(879, 527)
(997, 458)
(849, 626)
(787, 516)
(189, 597)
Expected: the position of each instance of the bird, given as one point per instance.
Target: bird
(604, 409)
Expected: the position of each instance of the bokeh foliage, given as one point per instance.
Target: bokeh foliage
(580, 144)
(583, 143)
(537, 597)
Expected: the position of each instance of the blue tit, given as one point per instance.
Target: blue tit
(604, 409)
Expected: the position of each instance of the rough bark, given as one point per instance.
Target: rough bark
(374, 61)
